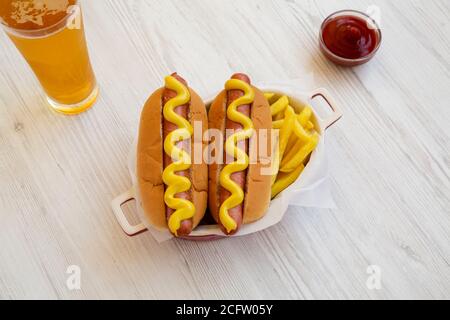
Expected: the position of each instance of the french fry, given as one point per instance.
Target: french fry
(300, 132)
(285, 180)
(269, 96)
(297, 155)
(279, 106)
(287, 129)
(309, 126)
(303, 118)
(275, 165)
(297, 140)
(285, 133)
(291, 143)
(277, 124)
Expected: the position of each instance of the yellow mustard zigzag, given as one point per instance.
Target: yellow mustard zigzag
(232, 149)
(184, 209)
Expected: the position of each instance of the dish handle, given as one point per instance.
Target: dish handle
(117, 204)
(337, 112)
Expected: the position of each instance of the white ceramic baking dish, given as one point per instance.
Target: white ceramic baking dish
(309, 178)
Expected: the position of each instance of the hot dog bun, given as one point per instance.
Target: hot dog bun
(258, 184)
(150, 163)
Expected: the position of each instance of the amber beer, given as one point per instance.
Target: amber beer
(50, 36)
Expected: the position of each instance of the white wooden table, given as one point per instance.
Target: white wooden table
(389, 158)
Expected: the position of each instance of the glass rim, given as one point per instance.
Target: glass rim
(353, 12)
(42, 32)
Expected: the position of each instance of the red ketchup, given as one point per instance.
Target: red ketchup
(349, 39)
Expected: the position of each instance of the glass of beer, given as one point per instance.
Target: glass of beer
(50, 36)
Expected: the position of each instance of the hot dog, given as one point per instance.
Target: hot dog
(239, 191)
(168, 127)
(237, 177)
(173, 188)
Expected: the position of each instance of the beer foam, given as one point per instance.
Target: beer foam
(34, 11)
